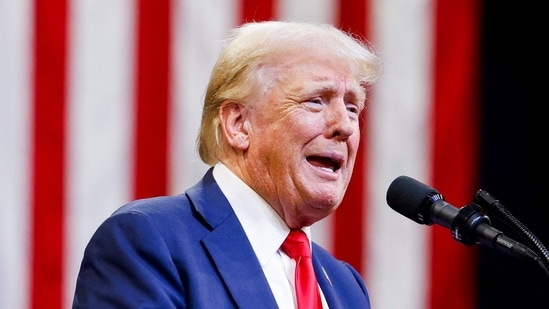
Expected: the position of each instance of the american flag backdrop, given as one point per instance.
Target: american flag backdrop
(100, 103)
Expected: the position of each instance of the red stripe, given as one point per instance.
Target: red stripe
(455, 119)
(152, 98)
(256, 10)
(348, 219)
(50, 44)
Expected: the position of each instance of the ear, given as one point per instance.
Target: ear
(234, 124)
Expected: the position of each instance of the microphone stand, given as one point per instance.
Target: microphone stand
(495, 208)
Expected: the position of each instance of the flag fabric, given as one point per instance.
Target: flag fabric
(100, 104)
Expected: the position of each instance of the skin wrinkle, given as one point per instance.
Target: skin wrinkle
(290, 105)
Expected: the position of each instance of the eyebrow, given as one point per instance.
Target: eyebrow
(356, 92)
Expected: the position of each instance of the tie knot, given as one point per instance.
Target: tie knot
(296, 245)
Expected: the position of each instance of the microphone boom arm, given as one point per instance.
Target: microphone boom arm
(469, 225)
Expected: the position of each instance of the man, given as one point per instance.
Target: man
(280, 130)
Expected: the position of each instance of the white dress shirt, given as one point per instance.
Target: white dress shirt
(266, 232)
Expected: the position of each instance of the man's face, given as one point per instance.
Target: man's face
(305, 136)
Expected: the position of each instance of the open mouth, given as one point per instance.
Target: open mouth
(325, 163)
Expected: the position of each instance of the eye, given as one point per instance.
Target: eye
(314, 103)
(353, 109)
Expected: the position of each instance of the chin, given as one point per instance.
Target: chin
(328, 202)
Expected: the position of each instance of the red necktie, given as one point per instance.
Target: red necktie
(297, 247)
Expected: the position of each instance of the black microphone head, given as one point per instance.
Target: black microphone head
(412, 199)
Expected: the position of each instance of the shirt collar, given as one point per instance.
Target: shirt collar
(265, 229)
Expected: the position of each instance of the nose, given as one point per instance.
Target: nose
(340, 123)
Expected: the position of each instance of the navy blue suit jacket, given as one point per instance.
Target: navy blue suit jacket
(190, 251)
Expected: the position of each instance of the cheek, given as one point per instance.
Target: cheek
(353, 144)
(304, 126)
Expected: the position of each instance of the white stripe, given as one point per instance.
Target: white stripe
(397, 248)
(15, 151)
(100, 97)
(307, 10)
(198, 29)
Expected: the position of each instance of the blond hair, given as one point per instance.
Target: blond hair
(241, 69)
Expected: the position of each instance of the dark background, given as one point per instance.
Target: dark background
(513, 142)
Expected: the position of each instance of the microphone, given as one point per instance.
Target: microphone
(468, 225)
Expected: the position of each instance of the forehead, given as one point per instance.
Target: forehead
(320, 72)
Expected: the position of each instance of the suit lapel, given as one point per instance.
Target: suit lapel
(325, 284)
(238, 265)
(229, 247)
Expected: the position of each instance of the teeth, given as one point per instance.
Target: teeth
(328, 169)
